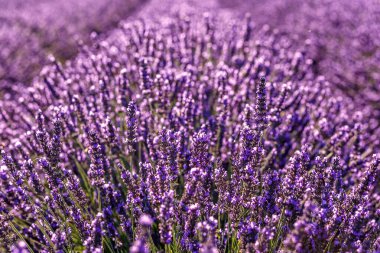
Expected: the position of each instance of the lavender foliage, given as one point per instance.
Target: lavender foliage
(188, 133)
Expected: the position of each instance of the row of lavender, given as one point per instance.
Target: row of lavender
(342, 36)
(32, 30)
(344, 41)
(188, 134)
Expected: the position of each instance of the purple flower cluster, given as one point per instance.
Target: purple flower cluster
(188, 133)
(342, 39)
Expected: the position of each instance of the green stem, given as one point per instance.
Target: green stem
(21, 237)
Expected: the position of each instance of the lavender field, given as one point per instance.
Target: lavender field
(190, 126)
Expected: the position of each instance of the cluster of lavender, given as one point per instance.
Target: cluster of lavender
(31, 30)
(343, 39)
(187, 135)
(346, 46)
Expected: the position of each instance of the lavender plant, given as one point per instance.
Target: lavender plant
(187, 134)
(342, 37)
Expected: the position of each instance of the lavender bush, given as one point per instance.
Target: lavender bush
(343, 37)
(187, 134)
